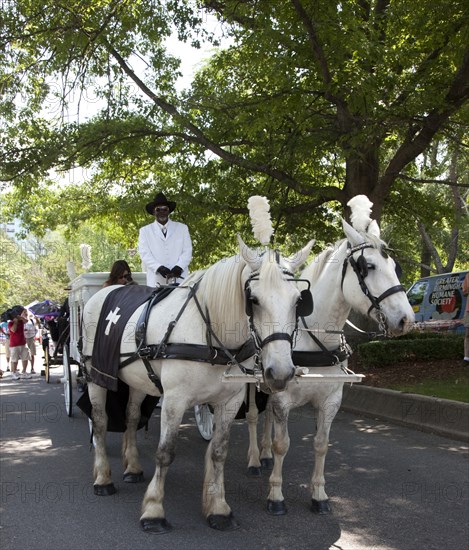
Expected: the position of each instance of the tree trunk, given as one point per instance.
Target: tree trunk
(362, 178)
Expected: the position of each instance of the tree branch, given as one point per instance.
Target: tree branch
(414, 145)
(202, 139)
(344, 117)
(426, 180)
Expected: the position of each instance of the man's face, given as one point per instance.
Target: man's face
(162, 214)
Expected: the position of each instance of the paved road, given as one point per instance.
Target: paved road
(391, 487)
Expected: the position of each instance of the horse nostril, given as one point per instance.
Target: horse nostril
(405, 324)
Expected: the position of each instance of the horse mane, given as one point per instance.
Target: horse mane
(313, 270)
(221, 293)
(221, 290)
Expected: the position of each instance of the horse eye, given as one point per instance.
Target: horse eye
(370, 266)
(254, 300)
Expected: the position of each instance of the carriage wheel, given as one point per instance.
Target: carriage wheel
(47, 363)
(67, 379)
(204, 421)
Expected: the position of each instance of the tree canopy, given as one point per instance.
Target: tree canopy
(309, 104)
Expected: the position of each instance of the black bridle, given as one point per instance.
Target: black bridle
(361, 267)
(304, 308)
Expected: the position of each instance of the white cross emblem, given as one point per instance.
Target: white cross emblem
(112, 317)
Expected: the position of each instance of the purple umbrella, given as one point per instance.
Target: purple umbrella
(47, 307)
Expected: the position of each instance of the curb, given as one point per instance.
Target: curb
(428, 414)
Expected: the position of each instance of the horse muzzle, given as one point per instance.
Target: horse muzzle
(277, 379)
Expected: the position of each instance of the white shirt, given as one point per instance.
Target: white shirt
(156, 250)
(30, 329)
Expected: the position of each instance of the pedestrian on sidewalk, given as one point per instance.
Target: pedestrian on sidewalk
(31, 329)
(18, 348)
(465, 291)
(6, 342)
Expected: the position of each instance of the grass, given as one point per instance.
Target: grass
(456, 388)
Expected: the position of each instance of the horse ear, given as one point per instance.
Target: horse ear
(373, 229)
(353, 236)
(250, 256)
(298, 259)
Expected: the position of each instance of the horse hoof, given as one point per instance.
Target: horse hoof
(254, 471)
(320, 506)
(133, 478)
(104, 490)
(276, 507)
(222, 523)
(267, 463)
(157, 526)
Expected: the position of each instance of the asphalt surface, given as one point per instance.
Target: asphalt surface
(390, 487)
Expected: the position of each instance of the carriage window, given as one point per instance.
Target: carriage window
(417, 293)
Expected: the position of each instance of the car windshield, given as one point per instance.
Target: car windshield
(417, 292)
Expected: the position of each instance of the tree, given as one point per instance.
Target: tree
(312, 104)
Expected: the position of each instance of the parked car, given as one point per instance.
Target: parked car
(438, 302)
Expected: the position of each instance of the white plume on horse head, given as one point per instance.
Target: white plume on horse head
(361, 210)
(259, 212)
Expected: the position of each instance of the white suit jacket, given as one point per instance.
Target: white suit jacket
(156, 250)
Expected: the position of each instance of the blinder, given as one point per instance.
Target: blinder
(362, 265)
(304, 307)
(305, 304)
(248, 301)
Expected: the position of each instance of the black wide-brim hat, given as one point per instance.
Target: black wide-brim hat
(160, 200)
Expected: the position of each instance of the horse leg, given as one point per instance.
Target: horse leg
(153, 516)
(281, 443)
(252, 416)
(103, 484)
(326, 414)
(133, 472)
(267, 462)
(215, 508)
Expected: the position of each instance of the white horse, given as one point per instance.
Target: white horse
(356, 273)
(205, 315)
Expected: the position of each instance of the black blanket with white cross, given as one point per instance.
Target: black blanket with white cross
(117, 309)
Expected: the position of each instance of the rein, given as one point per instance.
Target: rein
(207, 353)
(325, 357)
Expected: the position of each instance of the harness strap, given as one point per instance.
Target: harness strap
(211, 334)
(325, 357)
(189, 352)
(385, 294)
(319, 358)
(277, 336)
(314, 338)
(141, 333)
(202, 353)
(152, 374)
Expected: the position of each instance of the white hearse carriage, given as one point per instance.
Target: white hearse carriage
(81, 290)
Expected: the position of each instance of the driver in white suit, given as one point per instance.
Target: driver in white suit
(165, 246)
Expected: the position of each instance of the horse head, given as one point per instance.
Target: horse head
(271, 300)
(370, 282)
